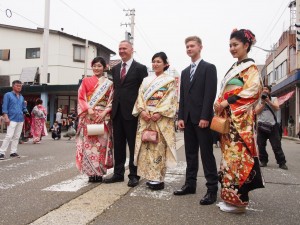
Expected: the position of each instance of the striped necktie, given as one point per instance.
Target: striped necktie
(192, 71)
(123, 72)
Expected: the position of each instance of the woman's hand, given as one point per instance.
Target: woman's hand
(91, 113)
(155, 117)
(219, 107)
(101, 116)
(145, 116)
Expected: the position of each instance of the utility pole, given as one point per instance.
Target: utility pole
(129, 36)
(44, 74)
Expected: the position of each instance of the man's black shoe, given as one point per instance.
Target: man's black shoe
(133, 182)
(186, 189)
(2, 156)
(262, 164)
(114, 179)
(14, 155)
(283, 166)
(209, 198)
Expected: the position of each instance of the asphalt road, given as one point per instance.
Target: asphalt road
(44, 187)
(23, 180)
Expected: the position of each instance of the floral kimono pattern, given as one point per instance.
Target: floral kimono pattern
(152, 159)
(38, 120)
(94, 153)
(239, 170)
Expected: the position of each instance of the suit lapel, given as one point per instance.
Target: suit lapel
(118, 78)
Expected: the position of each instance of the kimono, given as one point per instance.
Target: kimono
(38, 123)
(94, 153)
(239, 169)
(156, 95)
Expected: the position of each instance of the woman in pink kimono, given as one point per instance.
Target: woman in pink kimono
(240, 90)
(38, 121)
(94, 152)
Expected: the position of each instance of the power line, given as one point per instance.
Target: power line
(18, 14)
(143, 37)
(90, 22)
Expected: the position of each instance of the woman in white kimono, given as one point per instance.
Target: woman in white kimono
(156, 109)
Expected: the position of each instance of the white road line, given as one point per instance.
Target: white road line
(36, 175)
(20, 164)
(76, 183)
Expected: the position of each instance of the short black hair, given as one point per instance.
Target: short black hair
(268, 86)
(100, 60)
(164, 58)
(16, 82)
(38, 101)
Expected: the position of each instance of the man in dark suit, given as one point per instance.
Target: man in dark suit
(197, 94)
(127, 77)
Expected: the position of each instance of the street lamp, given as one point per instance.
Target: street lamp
(273, 57)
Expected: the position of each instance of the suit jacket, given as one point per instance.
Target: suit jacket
(197, 97)
(125, 94)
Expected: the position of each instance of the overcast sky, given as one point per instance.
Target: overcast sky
(160, 25)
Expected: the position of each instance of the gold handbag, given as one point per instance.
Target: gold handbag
(220, 124)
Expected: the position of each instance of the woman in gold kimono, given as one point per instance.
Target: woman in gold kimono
(240, 91)
(156, 108)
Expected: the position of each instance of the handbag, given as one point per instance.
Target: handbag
(220, 124)
(265, 127)
(95, 129)
(150, 136)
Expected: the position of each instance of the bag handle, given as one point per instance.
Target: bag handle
(272, 112)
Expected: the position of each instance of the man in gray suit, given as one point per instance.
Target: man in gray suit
(197, 94)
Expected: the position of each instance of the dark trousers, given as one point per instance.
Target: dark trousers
(274, 138)
(195, 137)
(56, 135)
(124, 131)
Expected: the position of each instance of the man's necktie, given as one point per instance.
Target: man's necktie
(123, 72)
(192, 71)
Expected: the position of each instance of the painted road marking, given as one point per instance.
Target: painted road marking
(35, 175)
(173, 175)
(76, 183)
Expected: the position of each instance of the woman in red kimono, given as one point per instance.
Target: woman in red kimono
(94, 152)
(240, 90)
(38, 121)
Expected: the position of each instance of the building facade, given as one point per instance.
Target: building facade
(21, 59)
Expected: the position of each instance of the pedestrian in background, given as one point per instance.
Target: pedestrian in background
(127, 78)
(156, 109)
(197, 94)
(240, 91)
(265, 111)
(38, 121)
(56, 132)
(94, 152)
(58, 117)
(13, 109)
(71, 132)
(291, 126)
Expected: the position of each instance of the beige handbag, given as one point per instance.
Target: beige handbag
(220, 124)
(95, 129)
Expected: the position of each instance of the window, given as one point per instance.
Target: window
(4, 54)
(33, 53)
(79, 53)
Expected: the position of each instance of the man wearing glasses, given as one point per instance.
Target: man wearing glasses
(13, 109)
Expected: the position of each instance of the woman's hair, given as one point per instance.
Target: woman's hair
(268, 86)
(38, 101)
(245, 36)
(164, 58)
(100, 60)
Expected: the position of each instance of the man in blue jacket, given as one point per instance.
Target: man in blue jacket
(13, 109)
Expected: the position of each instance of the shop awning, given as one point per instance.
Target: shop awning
(28, 74)
(282, 99)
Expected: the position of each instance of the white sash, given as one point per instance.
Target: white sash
(233, 72)
(99, 92)
(156, 84)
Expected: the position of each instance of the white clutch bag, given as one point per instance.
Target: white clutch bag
(95, 129)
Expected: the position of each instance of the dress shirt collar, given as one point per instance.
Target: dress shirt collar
(128, 63)
(197, 62)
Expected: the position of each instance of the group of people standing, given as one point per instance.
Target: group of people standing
(139, 110)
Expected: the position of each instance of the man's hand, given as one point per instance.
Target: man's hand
(7, 121)
(203, 123)
(180, 124)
